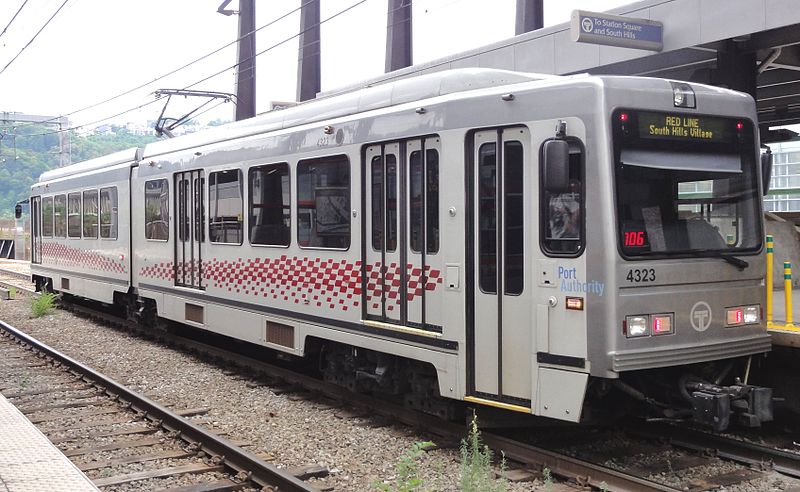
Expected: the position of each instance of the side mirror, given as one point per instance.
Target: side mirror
(766, 170)
(555, 155)
(18, 211)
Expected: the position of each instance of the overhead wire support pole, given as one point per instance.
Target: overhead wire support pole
(530, 16)
(246, 59)
(309, 76)
(399, 40)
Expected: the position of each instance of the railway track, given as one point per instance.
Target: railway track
(648, 451)
(118, 436)
(570, 468)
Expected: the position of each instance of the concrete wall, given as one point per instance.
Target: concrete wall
(787, 248)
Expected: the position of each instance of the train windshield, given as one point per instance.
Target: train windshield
(686, 185)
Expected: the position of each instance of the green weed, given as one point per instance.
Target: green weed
(477, 474)
(408, 479)
(43, 304)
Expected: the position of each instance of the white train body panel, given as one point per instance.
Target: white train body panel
(377, 217)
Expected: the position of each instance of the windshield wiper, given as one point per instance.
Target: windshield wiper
(702, 253)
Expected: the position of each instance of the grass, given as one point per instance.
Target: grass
(407, 472)
(477, 474)
(43, 304)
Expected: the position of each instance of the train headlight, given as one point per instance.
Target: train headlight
(752, 314)
(637, 326)
(743, 315)
(662, 324)
(683, 95)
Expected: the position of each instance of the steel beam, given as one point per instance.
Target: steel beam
(309, 78)
(246, 73)
(399, 51)
(530, 16)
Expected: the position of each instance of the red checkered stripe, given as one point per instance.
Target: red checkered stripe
(317, 282)
(391, 283)
(158, 271)
(61, 255)
(312, 281)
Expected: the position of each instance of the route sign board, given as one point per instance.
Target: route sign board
(616, 30)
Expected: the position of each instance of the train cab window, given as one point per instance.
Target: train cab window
(270, 219)
(156, 209)
(424, 182)
(563, 219)
(323, 202)
(90, 216)
(108, 213)
(60, 216)
(47, 216)
(225, 207)
(74, 215)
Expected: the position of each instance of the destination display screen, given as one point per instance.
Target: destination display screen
(665, 126)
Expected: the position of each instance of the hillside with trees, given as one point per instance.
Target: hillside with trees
(27, 150)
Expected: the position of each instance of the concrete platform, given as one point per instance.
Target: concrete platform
(31, 463)
(19, 266)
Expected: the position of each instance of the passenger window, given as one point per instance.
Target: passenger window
(90, 214)
(513, 218)
(225, 207)
(74, 215)
(562, 228)
(156, 209)
(431, 196)
(270, 219)
(487, 217)
(47, 217)
(60, 213)
(108, 213)
(323, 202)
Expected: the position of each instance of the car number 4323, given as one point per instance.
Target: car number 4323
(636, 275)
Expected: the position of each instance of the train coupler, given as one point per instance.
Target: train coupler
(715, 405)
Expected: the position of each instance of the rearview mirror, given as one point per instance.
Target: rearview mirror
(766, 170)
(18, 211)
(555, 165)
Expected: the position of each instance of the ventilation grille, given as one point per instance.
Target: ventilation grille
(194, 313)
(64, 283)
(280, 334)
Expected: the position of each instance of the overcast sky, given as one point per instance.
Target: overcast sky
(93, 50)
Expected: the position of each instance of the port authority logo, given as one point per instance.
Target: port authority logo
(587, 25)
(700, 316)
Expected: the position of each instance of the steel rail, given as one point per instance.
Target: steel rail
(784, 462)
(240, 460)
(13, 273)
(583, 472)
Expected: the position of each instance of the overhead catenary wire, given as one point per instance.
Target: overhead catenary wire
(282, 42)
(176, 70)
(12, 19)
(34, 36)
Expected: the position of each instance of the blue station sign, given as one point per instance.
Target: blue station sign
(616, 30)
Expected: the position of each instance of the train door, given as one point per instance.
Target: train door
(382, 265)
(36, 229)
(499, 339)
(401, 262)
(189, 228)
(424, 265)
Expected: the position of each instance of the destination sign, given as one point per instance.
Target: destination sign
(684, 127)
(616, 30)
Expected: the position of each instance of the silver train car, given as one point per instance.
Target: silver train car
(535, 243)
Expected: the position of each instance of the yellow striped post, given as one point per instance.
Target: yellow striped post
(787, 292)
(770, 254)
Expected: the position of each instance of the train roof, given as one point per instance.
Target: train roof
(131, 155)
(364, 99)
